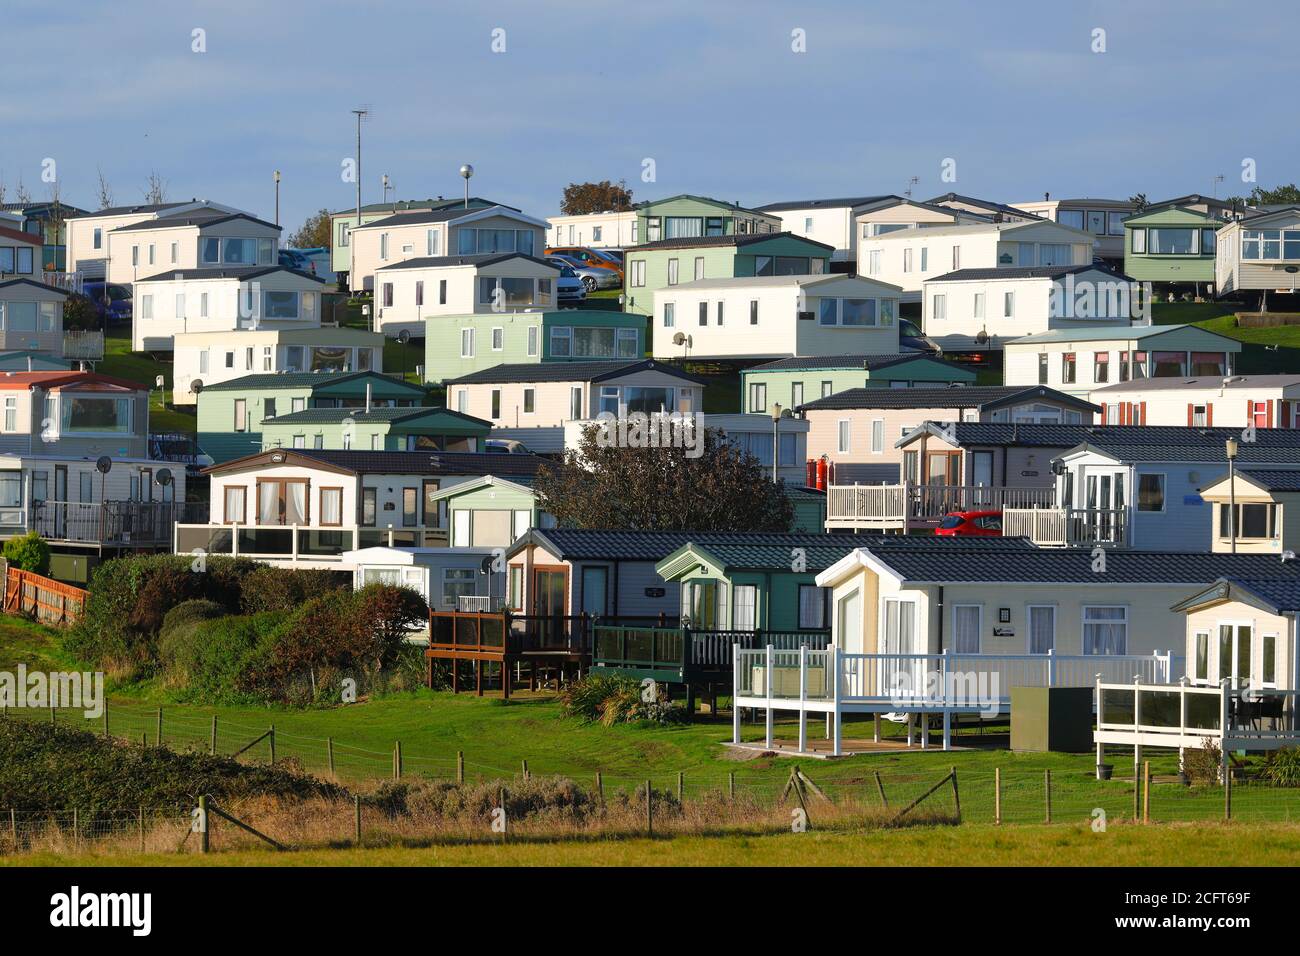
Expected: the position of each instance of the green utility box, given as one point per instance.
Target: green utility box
(1052, 718)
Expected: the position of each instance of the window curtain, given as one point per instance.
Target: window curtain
(1042, 629)
(295, 503)
(330, 512)
(1105, 630)
(746, 599)
(812, 607)
(966, 629)
(268, 505)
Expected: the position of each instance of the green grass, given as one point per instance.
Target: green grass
(974, 845)
(119, 361)
(1265, 350)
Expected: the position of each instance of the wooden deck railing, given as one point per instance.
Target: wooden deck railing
(1067, 527)
(503, 633)
(47, 600)
(681, 648)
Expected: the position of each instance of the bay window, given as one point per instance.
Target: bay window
(95, 414)
(1164, 241)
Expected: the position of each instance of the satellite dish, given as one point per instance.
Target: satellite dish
(679, 338)
(485, 566)
(982, 337)
(158, 381)
(404, 336)
(103, 464)
(196, 386)
(163, 477)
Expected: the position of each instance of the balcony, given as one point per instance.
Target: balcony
(112, 524)
(909, 505)
(682, 655)
(299, 545)
(1068, 527)
(83, 346)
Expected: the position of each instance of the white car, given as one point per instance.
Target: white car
(568, 287)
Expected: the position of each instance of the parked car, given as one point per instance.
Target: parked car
(592, 277)
(976, 524)
(505, 446)
(910, 336)
(112, 300)
(297, 259)
(588, 257)
(568, 287)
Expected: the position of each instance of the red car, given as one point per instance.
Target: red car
(985, 524)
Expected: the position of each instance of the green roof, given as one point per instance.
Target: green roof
(327, 416)
(307, 380)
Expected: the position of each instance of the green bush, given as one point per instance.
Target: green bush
(29, 552)
(1282, 767)
(178, 633)
(218, 659)
(284, 589)
(615, 699)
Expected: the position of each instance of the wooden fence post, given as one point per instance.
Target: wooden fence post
(105, 720)
(600, 787)
(356, 820)
(956, 796)
(880, 788)
(997, 794)
(1146, 791)
(524, 764)
(272, 739)
(204, 824)
(460, 767)
(1047, 791)
(731, 785)
(397, 760)
(158, 735)
(140, 820)
(212, 749)
(329, 751)
(681, 786)
(649, 810)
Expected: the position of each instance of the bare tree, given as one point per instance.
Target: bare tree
(105, 190)
(155, 191)
(3, 188)
(21, 193)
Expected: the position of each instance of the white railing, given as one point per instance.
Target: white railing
(1067, 527)
(1137, 713)
(940, 680)
(67, 281)
(298, 543)
(480, 603)
(894, 506)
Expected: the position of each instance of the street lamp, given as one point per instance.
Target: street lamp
(776, 440)
(386, 184)
(1230, 448)
(466, 172)
(277, 197)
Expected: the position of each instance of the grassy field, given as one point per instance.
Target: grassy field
(1264, 350)
(976, 845)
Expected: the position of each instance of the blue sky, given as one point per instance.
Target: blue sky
(710, 90)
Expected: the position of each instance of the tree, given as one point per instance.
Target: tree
(1139, 201)
(582, 198)
(314, 232)
(28, 553)
(1279, 196)
(602, 484)
(155, 190)
(104, 189)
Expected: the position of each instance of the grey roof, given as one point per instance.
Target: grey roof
(1286, 481)
(849, 202)
(1208, 452)
(129, 210)
(32, 282)
(401, 462)
(1109, 437)
(1106, 333)
(1075, 566)
(1168, 383)
(476, 202)
(242, 273)
(207, 217)
(737, 240)
(983, 203)
(626, 545)
(435, 262)
(303, 380)
(952, 396)
(443, 214)
(568, 372)
(720, 203)
(383, 413)
(1026, 272)
(869, 362)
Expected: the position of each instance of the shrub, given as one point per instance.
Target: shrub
(284, 589)
(1282, 767)
(1201, 765)
(29, 552)
(390, 613)
(218, 659)
(615, 698)
(549, 799)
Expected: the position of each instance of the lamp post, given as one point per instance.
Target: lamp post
(387, 186)
(1230, 447)
(776, 441)
(466, 172)
(277, 197)
(359, 114)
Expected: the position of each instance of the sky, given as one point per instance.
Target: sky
(752, 101)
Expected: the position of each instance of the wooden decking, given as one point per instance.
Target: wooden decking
(501, 645)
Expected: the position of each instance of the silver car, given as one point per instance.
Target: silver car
(592, 278)
(568, 287)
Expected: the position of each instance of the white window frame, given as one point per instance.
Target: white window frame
(979, 627)
(844, 435)
(1084, 622)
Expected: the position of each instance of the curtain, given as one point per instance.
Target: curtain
(812, 607)
(1042, 629)
(268, 507)
(1105, 630)
(295, 502)
(746, 597)
(966, 629)
(330, 502)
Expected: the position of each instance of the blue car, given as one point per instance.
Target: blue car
(112, 300)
